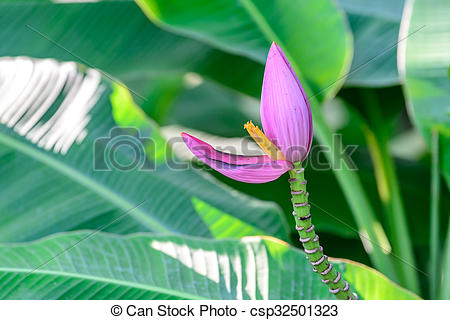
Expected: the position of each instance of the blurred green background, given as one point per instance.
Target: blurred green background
(376, 73)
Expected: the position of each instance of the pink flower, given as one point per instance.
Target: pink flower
(287, 123)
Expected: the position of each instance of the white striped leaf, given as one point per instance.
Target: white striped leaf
(58, 171)
(101, 266)
(424, 61)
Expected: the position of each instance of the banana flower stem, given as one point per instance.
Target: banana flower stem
(310, 240)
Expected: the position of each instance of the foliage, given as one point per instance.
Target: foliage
(75, 77)
(171, 267)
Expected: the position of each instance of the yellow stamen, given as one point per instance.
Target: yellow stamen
(260, 138)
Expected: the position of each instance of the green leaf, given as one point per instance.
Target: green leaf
(445, 285)
(212, 108)
(308, 29)
(375, 26)
(76, 151)
(164, 91)
(117, 38)
(100, 266)
(373, 285)
(375, 127)
(424, 59)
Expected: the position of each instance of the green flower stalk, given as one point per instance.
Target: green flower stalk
(310, 240)
(288, 131)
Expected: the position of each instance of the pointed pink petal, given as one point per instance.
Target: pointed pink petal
(285, 111)
(251, 169)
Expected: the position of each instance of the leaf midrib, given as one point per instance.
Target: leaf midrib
(135, 285)
(79, 177)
